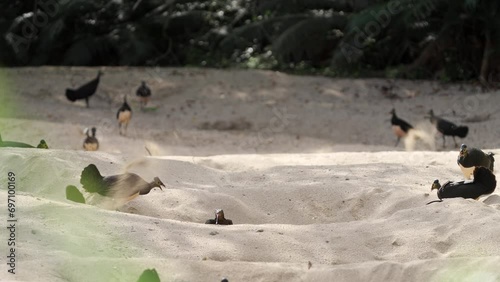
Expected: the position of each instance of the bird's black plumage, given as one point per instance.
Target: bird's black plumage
(125, 107)
(124, 115)
(469, 158)
(143, 90)
(399, 126)
(219, 219)
(447, 128)
(119, 186)
(84, 91)
(91, 143)
(484, 183)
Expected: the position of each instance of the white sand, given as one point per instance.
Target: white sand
(315, 179)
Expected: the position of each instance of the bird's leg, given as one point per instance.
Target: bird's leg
(456, 145)
(397, 142)
(87, 101)
(444, 141)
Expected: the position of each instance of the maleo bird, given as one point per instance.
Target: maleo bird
(84, 91)
(470, 158)
(399, 126)
(484, 183)
(90, 143)
(447, 128)
(144, 94)
(124, 115)
(219, 219)
(121, 188)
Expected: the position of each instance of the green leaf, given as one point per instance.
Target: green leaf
(73, 194)
(149, 275)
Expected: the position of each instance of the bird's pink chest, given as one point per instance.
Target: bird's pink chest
(398, 131)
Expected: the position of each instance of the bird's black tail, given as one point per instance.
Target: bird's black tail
(71, 95)
(91, 179)
(492, 160)
(460, 131)
(484, 176)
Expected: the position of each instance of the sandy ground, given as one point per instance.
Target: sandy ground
(304, 166)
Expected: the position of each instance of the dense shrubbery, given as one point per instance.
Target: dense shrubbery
(449, 39)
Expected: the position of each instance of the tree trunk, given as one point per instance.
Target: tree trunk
(485, 63)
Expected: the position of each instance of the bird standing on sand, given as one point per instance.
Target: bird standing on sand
(484, 183)
(399, 126)
(144, 94)
(447, 128)
(219, 219)
(124, 115)
(125, 186)
(84, 91)
(90, 143)
(470, 158)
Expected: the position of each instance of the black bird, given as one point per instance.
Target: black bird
(84, 91)
(41, 145)
(125, 186)
(399, 126)
(219, 219)
(469, 158)
(447, 128)
(484, 183)
(124, 115)
(90, 143)
(144, 94)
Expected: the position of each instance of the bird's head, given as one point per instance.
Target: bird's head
(93, 131)
(219, 215)
(42, 144)
(393, 111)
(99, 73)
(435, 185)
(158, 183)
(463, 151)
(143, 83)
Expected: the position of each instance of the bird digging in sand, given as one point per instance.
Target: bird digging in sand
(121, 188)
(144, 94)
(447, 128)
(90, 143)
(14, 144)
(484, 183)
(399, 126)
(470, 158)
(124, 115)
(84, 91)
(219, 219)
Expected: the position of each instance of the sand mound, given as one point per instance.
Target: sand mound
(354, 216)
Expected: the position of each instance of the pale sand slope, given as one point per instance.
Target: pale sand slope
(286, 113)
(354, 216)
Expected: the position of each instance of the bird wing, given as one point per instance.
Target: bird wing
(124, 185)
(92, 180)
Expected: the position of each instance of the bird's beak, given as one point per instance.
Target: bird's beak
(161, 184)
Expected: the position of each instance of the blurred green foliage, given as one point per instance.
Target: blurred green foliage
(447, 39)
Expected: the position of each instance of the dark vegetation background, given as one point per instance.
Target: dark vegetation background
(434, 39)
